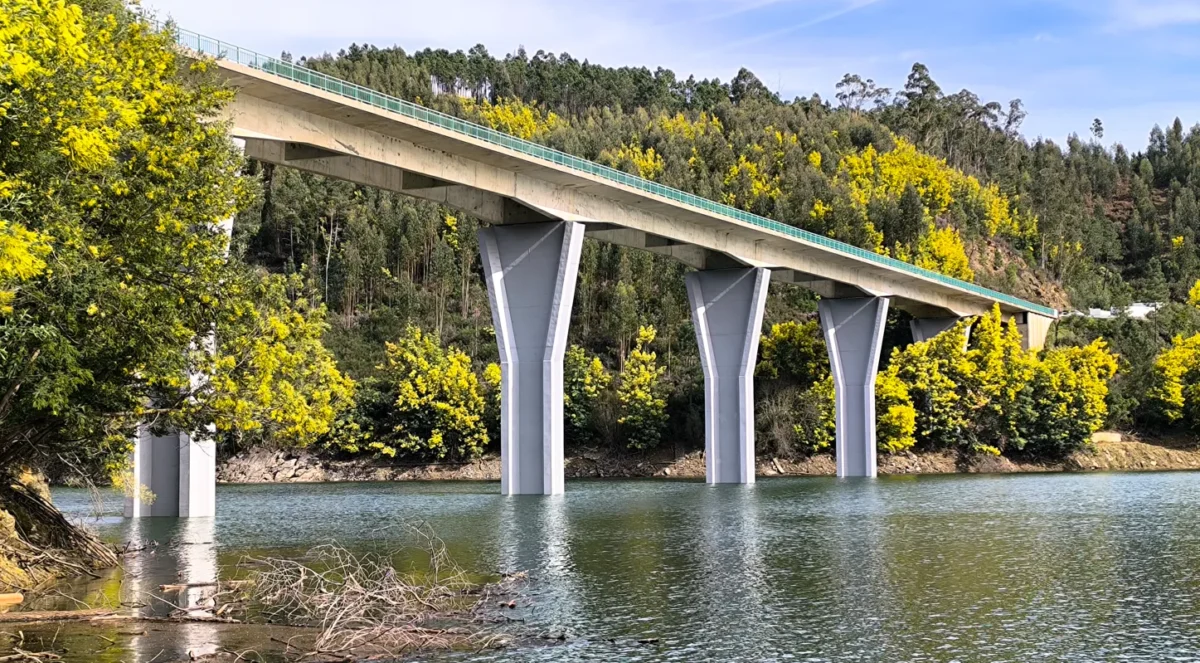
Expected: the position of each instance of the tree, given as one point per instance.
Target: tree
(1097, 129)
(1069, 392)
(854, 93)
(439, 410)
(585, 382)
(22, 257)
(746, 86)
(270, 376)
(897, 417)
(115, 171)
(640, 395)
(793, 352)
(112, 159)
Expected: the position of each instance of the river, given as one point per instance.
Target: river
(1067, 567)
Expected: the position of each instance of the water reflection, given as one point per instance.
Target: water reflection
(1018, 568)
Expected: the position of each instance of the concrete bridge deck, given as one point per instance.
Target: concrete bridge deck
(297, 117)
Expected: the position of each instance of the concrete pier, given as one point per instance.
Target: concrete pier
(179, 471)
(1034, 329)
(854, 336)
(727, 309)
(924, 329)
(531, 271)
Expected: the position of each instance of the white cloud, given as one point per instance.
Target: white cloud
(823, 17)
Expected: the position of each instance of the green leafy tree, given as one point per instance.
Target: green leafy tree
(114, 161)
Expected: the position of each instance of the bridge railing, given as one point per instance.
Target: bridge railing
(321, 81)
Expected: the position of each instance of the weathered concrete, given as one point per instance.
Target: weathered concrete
(854, 336)
(531, 271)
(727, 309)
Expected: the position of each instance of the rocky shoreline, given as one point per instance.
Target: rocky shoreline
(1110, 452)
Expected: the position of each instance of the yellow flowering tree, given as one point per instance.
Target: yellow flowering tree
(896, 418)
(794, 352)
(941, 250)
(439, 410)
(877, 184)
(22, 257)
(997, 396)
(490, 381)
(513, 116)
(270, 376)
(641, 395)
(1000, 373)
(1069, 393)
(1175, 389)
(113, 173)
(585, 382)
(934, 373)
(816, 416)
(645, 163)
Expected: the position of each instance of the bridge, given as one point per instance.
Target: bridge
(540, 204)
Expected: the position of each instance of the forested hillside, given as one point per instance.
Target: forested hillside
(946, 181)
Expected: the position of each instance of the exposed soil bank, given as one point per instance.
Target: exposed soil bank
(1111, 452)
(38, 543)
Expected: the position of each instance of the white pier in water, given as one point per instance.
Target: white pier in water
(540, 203)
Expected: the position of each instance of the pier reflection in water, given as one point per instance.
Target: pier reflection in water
(1011, 568)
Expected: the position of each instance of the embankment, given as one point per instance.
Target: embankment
(1110, 452)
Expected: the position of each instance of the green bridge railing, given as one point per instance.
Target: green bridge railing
(320, 81)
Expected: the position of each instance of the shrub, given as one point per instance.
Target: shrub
(584, 383)
(641, 395)
(439, 410)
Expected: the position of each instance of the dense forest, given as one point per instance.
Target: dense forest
(946, 181)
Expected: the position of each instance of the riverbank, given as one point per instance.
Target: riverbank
(1109, 452)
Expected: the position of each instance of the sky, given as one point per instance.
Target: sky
(1130, 63)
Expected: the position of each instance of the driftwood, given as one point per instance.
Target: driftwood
(33, 657)
(57, 616)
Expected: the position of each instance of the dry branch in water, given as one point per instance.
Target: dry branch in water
(360, 602)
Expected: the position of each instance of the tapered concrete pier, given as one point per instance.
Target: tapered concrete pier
(531, 271)
(727, 309)
(854, 336)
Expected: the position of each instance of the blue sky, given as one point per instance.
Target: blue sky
(1132, 63)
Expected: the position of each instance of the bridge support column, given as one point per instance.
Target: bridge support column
(1034, 329)
(854, 336)
(924, 329)
(727, 309)
(179, 470)
(531, 271)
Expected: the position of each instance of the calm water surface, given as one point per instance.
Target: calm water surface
(1100, 567)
